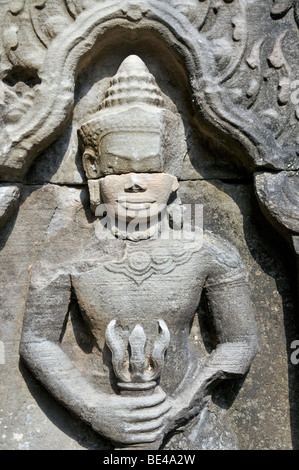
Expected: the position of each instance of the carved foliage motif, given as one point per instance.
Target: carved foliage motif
(39, 22)
(278, 193)
(268, 86)
(214, 34)
(236, 75)
(213, 38)
(281, 8)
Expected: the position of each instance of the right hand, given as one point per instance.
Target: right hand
(131, 420)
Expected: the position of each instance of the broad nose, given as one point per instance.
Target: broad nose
(135, 184)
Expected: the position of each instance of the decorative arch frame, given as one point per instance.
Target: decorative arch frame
(55, 96)
(275, 169)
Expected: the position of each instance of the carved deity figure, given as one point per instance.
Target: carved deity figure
(138, 282)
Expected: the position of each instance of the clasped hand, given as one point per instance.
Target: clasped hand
(131, 420)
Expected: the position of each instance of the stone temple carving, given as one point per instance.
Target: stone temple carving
(137, 283)
(107, 276)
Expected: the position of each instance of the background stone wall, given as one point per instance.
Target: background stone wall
(52, 197)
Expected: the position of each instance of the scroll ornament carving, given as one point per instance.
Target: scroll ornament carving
(39, 23)
(269, 74)
(48, 19)
(212, 37)
(129, 300)
(278, 193)
(277, 61)
(214, 54)
(281, 8)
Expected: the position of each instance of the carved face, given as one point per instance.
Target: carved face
(125, 152)
(134, 186)
(140, 196)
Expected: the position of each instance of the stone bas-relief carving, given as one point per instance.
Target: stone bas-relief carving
(137, 291)
(211, 36)
(228, 70)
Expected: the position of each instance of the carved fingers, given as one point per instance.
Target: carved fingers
(146, 424)
(131, 420)
(148, 414)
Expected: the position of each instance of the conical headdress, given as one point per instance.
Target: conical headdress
(134, 103)
(133, 85)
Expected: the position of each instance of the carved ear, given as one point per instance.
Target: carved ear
(175, 184)
(90, 164)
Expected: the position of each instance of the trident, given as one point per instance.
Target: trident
(137, 376)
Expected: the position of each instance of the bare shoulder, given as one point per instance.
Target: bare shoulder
(222, 258)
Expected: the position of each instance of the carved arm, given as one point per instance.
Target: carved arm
(46, 309)
(125, 420)
(230, 304)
